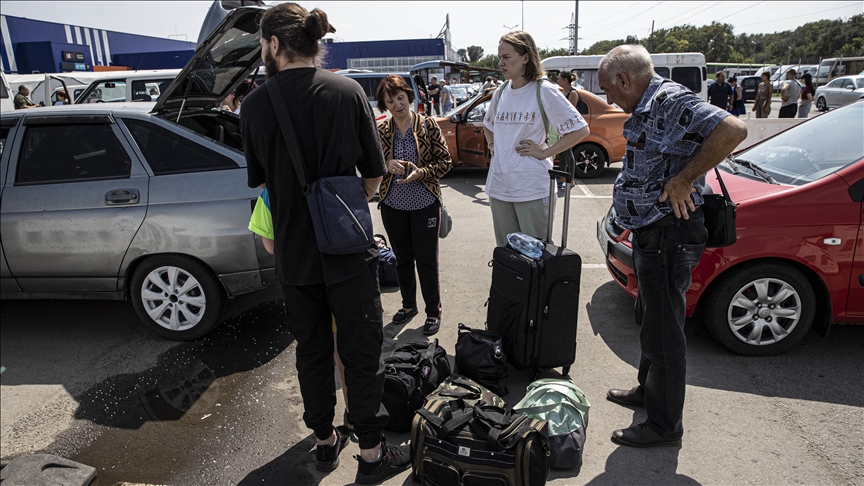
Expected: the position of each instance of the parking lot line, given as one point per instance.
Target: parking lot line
(584, 188)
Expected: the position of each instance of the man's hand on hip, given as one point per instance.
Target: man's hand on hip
(678, 191)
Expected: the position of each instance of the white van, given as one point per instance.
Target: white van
(122, 86)
(837, 66)
(687, 68)
(6, 95)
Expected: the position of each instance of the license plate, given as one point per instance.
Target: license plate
(602, 237)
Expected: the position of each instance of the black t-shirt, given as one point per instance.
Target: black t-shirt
(718, 95)
(337, 133)
(437, 96)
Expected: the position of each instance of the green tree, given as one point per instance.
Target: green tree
(561, 51)
(463, 54)
(475, 53)
(490, 62)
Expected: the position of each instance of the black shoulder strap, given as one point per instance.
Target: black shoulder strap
(723, 186)
(288, 132)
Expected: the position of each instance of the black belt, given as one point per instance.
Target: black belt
(668, 220)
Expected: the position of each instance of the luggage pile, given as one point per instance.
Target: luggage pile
(462, 431)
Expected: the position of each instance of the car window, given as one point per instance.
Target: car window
(691, 77)
(834, 84)
(662, 71)
(63, 153)
(170, 153)
(814, 149)
(478, 112)
(4, 93)
(147, 90)
(108, 92)
(860, 82)
(4, 133)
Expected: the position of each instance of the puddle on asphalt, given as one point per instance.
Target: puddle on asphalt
(149, 419)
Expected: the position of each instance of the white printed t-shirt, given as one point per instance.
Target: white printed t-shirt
(514, 117)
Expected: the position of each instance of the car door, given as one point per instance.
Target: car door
(73, 200)
(749, 87)
(855, 304)
(7, 134)
(847, 93)
(471, 138)
(831, 92)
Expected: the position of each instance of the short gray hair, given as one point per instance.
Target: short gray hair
(632, 59)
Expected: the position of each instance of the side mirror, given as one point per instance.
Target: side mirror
(456, 118)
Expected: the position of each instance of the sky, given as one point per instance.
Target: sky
(471, 22)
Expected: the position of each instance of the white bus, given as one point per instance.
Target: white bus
(836, 67)
(687, 68)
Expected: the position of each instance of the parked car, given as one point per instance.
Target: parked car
(463, 130)
(138, 201)
(839, 92)
(460, 94)
(131, 86)
(799, 258)
(749, 86)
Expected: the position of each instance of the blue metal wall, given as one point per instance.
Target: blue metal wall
(34, 45)
(338, 53)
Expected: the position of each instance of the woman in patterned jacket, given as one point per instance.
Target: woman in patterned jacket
(416, 156)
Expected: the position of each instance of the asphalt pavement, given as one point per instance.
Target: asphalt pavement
(84, 380)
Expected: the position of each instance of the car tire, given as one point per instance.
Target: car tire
(177, 297)
(743, 312)
(590, 160)
(821, 104)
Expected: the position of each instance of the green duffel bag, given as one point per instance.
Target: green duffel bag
(564, 407)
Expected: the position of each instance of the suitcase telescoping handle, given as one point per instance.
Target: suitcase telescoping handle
(553, 196)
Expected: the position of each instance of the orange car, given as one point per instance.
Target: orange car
(463, 129)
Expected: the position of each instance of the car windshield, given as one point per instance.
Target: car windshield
(458, 90)
(812, 150)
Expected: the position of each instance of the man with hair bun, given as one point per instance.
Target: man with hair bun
(338, 137)
(673, 139)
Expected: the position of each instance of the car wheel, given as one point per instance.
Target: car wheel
(761, 309)
(590, 160)
(177, 297)
(821, 105)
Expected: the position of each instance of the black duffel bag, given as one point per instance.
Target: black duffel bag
(453, 443)
(411, 372)
(480, 356)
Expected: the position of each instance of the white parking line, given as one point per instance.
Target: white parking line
(593, 265)
(590, 197)
(584, 188)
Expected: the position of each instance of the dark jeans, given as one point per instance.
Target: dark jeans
(414, 238)
(788, 111)
(664, 255)
(567, 161)
(356, 305)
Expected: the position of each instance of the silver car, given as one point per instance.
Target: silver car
(839, 92)
(139, 201)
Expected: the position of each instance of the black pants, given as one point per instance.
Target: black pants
(414, 236)
(664, 255)
(788, 111)
(356, 305)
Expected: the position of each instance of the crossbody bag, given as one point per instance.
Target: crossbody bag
(337, 204)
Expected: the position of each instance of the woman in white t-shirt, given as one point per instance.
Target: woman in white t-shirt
(518, 180)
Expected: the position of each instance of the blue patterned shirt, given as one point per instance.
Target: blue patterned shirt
(414, 195)
(665, 131)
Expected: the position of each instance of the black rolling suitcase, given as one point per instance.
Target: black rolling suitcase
(534, 304)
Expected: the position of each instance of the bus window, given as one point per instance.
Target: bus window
(691, 77)
(662, 71)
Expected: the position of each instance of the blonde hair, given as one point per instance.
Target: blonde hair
(523, 43)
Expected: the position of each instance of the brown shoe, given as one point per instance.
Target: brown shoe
(633, 397)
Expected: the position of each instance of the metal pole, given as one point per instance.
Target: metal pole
(576, 30)
(523, 14)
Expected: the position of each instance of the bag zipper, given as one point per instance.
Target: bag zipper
(357, 224)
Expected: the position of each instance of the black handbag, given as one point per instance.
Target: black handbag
(337, 204)
(719, 212)
(480, 357)
(411, 372)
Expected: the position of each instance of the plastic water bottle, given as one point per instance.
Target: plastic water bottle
(526, 245)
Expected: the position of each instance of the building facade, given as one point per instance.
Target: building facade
(35, 46)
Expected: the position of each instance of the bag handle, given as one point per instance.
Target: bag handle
(723, 187)
(288, 132)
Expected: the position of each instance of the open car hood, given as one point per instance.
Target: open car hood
(227, 57)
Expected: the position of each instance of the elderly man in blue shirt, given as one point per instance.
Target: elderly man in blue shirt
(673, 138)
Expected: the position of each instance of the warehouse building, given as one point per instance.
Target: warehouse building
(36, 46)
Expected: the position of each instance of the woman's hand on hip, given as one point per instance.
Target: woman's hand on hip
(529, 148)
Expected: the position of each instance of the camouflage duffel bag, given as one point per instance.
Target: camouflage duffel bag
(458, 386)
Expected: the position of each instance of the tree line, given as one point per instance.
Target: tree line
(717, 41)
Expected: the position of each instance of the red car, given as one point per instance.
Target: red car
(799, 258)
(463, 130)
